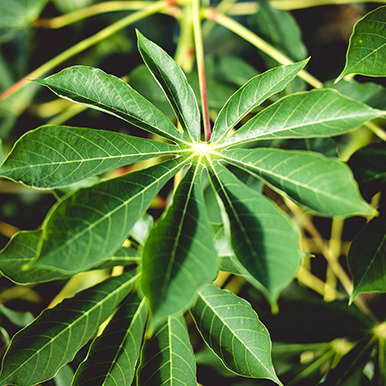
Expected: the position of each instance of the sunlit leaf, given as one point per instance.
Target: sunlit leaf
(38, 351)
(234, 332)
(167, 357)
(55, 156)
(325, 185)
(113, 355)
(175, 86)
(366, 54)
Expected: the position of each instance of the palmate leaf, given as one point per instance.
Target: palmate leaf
(366, 54)
(179, 255)
(234, 332)
(263, 238)
(87, 227)
(324, 185)
(55, 156)
(316, 113)
(37, 352)
(167, 358)
(251, 95)
(113, 355)
(96, 89)
(175, 86)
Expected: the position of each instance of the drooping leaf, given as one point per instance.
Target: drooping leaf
(96, 89)
(87, 227)
(179, 255)
(175, 86)
(113, 355)
(55, 156)
(325, 185)
(38, 351)
(316, 113)
(251, 95)
(234, 332)
(263, 238)
(366, 258)
(167, 358)
(366, 54)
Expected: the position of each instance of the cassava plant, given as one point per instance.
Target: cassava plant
(216, 221)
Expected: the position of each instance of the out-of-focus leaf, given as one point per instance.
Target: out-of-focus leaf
(167, 358)
(179, 255)
(325, 146)
(245, 348)
(64, 376)
(55, 156)
(366, 258)
(38, 351)
(325, 185)
(142, 228)
(366, 54)
(113, 355)
(67, 6)
(206, 357)
(17, 318)
(316, 113)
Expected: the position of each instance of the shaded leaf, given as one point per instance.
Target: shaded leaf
(96, 89)
(113, 355)
(366, 54)
(17, 318)
(55, 156)
(64, 376)
(316, 113)
(38, 351)
(167, 358)
(251, 95)
(179, 255)
(173, 82)
(234, 332)
(325, 185)
(89, 226)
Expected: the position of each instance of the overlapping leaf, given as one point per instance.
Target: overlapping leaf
(234, 332)
(175, 86)
(55, 156)
(251, 95)
(90, 225)
(167, 357)
(42, 348)
(317, 113)
(113, 355)
(179, 255)
(96, 89)
(263, 239)
(366, 53)
(325, 185)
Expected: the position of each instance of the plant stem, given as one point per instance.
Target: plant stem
(298, 4)
(201, 67)
(87, 43)
(249, 36)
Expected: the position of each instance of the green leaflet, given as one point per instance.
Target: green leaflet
(366, 54)
(316, 113)
(179, 255)
(38, 351)
(251, 95)
(234, 332)
(263, 238)
(90, 225)
(94, 88)
(167, 357)
(55, 156)
(175, 86)
(324, 185)
(113, 355)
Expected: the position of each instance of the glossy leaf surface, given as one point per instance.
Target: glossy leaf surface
(366, 54)
(317, 113)
(55, 156)
(42, 348)
(113, 355)
(245, 348)
(167, 357)
(325, 185)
